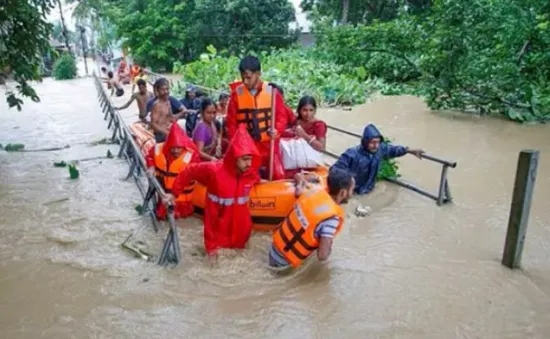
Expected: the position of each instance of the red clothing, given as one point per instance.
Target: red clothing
(290, 117)
(176, 138)
(227, 220)
(281, 121)
(318, 129)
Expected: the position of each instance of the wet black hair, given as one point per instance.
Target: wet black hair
(304, 101)
(205, 102)
(250, 63)
(223, 96)
(161, 82)
(110, 74)
(279, 88)
(338, 180)
(141, 82)
(103, 69)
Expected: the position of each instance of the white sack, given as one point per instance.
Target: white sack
(297, 153)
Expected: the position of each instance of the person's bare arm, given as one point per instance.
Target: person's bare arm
(182, 113)
(126, 105)
(318, 144)
(155, 117)
(325, 247)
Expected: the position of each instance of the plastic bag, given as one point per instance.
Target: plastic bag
(297, 153)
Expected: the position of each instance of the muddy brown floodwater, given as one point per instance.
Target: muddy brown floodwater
(409, 270)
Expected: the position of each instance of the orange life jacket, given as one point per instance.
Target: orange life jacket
(295, 237)
(255, 111)
(135, 71)
(167, 176)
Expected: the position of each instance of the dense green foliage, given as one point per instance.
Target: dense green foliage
(485, 56)
(65, 67)
(160, 32)
(24, 35)
(388, 169)
(298, 72)
(360, 11)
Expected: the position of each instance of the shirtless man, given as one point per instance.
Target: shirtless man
(113, 84)
(141, 97)
(162, 113)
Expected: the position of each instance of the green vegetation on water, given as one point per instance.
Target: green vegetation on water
(298, 72)
(65, 67)
(13, 147)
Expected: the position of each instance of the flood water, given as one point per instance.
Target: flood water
(409, 270)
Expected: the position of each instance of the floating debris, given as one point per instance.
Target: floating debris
(73, 171)
(362, 211)
(64, 164)
(137, 252)
(104, 141)
(55, 201)
(14, 147)
(60, 164)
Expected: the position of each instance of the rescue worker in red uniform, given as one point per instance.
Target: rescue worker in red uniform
(166, 160)
(250, 103)
(227, 220)
(313, 223)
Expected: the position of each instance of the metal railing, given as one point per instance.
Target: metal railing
(138, 169)
(444, 192)
(443, 195)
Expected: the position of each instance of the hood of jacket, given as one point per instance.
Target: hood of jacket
(177, 138)
(242, 144)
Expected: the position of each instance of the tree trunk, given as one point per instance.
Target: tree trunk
(345, 11)
(65, 34)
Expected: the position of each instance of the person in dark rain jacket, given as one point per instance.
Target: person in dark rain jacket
(364, 160)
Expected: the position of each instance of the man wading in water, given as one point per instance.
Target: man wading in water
(113, 84)
(141, 98)
(162, 115)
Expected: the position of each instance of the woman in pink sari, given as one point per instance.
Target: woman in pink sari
(308, 127)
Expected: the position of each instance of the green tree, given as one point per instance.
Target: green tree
(239, 26)
(360, 11)
(24, 37)
(155, 31)
(484, 56)
(64, 30)
(159, 32)
(65, 67)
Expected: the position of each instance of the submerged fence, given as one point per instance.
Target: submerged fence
(153, 191)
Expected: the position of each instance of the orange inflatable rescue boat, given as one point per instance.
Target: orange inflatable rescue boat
(270, 202)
